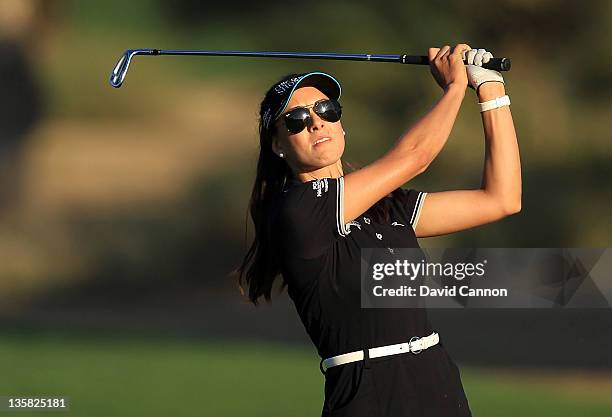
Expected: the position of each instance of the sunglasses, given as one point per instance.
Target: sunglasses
(298, 118)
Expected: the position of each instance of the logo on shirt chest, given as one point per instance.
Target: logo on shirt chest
(320, 186)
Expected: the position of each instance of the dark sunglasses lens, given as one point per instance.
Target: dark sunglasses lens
(329, 110)
(297, 119)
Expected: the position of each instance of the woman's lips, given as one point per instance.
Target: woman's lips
(324, 139)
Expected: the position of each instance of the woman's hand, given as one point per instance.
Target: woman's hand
(447, 66)
(479, 77)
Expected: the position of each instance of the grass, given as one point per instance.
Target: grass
(137, 376)
(143, 376)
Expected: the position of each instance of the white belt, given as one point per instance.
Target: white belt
(415, 345)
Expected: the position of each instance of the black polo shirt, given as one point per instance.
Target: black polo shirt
(320, 262)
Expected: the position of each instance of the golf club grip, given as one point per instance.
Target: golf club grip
(497, 64)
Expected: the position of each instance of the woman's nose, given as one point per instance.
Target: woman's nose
(315, 121)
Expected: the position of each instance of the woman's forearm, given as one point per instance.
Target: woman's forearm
(502, 167)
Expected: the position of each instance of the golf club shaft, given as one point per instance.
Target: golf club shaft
(118, 74)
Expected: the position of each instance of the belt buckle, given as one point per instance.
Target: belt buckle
(414, 339)
(323, 371)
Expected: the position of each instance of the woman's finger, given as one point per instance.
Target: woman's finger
(470, 56)
(432, 52)
(443, 51)
(487, 57)
(478, 57)
(461, 48)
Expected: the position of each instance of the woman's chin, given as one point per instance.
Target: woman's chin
(327, 156)
(327, 159)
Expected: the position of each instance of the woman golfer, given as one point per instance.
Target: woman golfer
(311, 221)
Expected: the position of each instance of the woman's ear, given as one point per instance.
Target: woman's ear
(276, 148)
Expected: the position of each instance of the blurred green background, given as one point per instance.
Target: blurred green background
(122, 212)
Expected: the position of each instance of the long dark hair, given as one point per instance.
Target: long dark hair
(261, 266)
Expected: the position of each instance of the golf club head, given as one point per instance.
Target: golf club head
(119, 72)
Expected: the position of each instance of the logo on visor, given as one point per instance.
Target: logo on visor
(266, 117)
(286, 85)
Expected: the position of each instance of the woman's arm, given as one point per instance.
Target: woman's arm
(500, 192)
(418, 147)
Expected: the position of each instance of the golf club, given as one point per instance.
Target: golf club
(120, 70)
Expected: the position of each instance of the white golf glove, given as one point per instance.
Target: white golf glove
(476, 74)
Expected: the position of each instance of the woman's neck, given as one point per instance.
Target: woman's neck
(330, 171)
